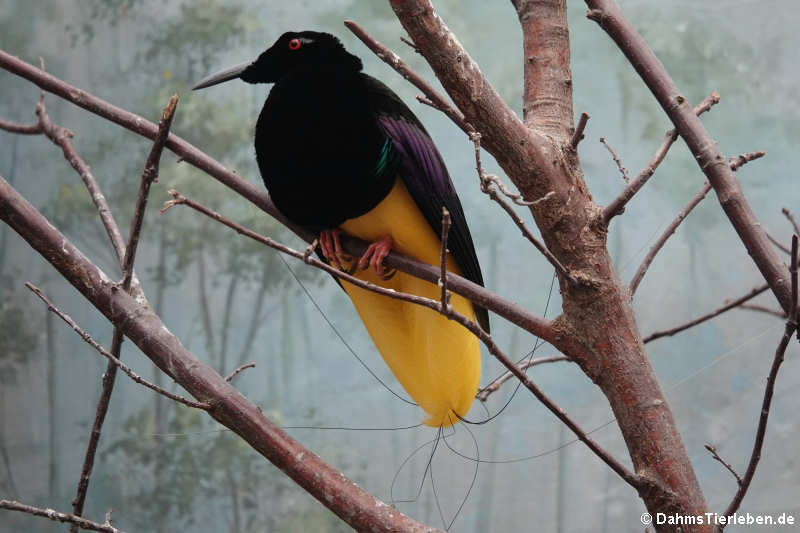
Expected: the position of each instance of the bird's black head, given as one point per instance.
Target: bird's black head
(291, 51)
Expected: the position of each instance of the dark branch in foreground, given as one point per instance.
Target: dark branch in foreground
(59, 517)
(791, 328)
(112, 359)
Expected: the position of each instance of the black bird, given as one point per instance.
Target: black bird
(339, 151)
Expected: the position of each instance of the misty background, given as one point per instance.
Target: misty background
(163, 467)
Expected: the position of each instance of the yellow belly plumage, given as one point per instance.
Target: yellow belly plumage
(436, 360)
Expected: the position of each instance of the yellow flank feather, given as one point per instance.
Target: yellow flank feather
(436, 360)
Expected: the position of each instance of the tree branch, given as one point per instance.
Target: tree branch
(127, 254)
(755, 291)
(716, 168)
(715, 455)
(111, 358)
(577, 137)
(385, 54)
(494, 386)
(228, 406)
(615, 157)
(617, 206)
(791, 328)
(487, 181)
(59, 517)
(240, 369)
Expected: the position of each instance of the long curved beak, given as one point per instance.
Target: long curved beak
(221, 76)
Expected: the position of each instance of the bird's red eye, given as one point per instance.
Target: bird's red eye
(294, 44)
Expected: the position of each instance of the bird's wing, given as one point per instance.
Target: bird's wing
(424, 173)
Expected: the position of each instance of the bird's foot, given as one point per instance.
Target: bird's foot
(332, 250)
(374, 256)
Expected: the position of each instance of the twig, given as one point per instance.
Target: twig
(791, 327)
(615, 157)
(410, 43)
(778, 244)
(122, 366)
(486, 187)
(149, 175)
(713, 449)
(578, 135)
(764, 309)
(617, 206)
(241, 368)
(788, 214)
(21, 129)
(640, 272)
(447, 311)
(393, 60)
(57, 516)
(755, 291)
(495, 385)
(445, 300)
(735, 164)
(705, 151)
(127, 254)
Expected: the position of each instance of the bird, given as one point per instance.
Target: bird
(339, 151)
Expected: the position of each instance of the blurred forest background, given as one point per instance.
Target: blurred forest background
(163, 467)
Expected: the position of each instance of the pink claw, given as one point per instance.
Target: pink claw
(375, 255)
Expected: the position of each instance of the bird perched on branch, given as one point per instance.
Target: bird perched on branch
(339, 151)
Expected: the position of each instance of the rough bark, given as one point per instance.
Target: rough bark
(596, 312)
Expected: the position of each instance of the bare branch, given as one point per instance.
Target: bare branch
(735, 164)
(791, 328)
(755, 291)
(577, 137)
(486, 187)
(713, 449)
(116, 362)
(640, 272)
(149, 175)
(241, 368)
(434, 99)
(494, 386)
(359, 509)
(764, 309)
(21, 129)
(790, 217)
(59, 517)
(705, 151)
(445, 300)
(778, 244)
(617, 206)
(615, 157)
